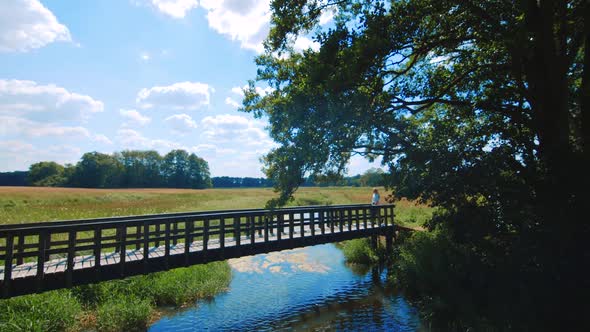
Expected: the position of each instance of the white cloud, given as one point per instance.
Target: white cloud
(20, 127)
(175, 8)
(178, 96)
(181, 123)
(132, 139)
(232, 102)
(100, 138)
(212, 150)
(44, 102)
(19, 155)
(261, 91)
(145, 56)
(27, 24)
(328, 15)
(247, 21)
(304, 43)
(236, 129)
(15, 126)
(239, 91)
(134, 117)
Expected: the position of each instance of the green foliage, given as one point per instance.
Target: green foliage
(51, 311)
(359, 251)
(119, 305)
(46, 174)
(458, 101)
(123, 314)
(373, 177)
(128, 169)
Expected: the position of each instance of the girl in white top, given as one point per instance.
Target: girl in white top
(376, 197)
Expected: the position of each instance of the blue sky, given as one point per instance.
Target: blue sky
(109, 75)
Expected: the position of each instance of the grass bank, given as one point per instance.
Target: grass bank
(131, 303)
(120, 305)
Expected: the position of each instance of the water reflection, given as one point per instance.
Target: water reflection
(300, 290)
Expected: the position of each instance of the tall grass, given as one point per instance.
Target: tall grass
(33, 204)
(119, 305)
(129, 303)
(51, 311)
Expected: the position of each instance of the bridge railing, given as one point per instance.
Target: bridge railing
(92, 243)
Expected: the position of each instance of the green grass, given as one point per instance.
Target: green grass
(33, 204)
(50, 311)
(128, 304)
(359, 251)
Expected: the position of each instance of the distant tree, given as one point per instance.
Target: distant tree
(175, 169)
(16, 178)
(98, 170)
(46, 174)
(373, 177)
(142, 168)
(181, 170)
(199, 174)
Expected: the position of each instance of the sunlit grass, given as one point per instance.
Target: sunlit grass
(33, 204)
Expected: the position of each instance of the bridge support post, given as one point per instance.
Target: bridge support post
(374, 241)
(389, 241)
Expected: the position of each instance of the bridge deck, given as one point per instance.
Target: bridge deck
(87, 261)
(52, 255)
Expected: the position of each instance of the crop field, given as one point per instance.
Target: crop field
(33, 204)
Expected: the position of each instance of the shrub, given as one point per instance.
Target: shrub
(51, 311)
(359, 251)
(183, 285)
(123, 313)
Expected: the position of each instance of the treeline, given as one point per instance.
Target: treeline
(125, 169)
(148, 169)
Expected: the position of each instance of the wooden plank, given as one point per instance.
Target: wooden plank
(221, 232)
(43, 243)
(311, 223)
(146, 245)
(96, 250)
(21, 249)
(265, 228)
(237, 232)
(71, 256)
(291, 224)
(302, 225)
(8, 265)
(167, 243)
(279, 226)
(188, 229)
(137, 237)
(205, 234)
(157, 235)
(252, 220)
(123, 252)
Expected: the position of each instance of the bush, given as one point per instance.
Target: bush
(359, 251)
(123, 314)
(51, 311)
(444, 278)
(183, 285)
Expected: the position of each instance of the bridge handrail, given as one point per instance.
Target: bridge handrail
(177, 216)
(32, 246)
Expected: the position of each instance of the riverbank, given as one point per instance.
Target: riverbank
(133, 302)
(121, 305)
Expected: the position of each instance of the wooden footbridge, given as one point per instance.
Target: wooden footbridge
(36, 257)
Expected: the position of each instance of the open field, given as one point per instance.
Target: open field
(31, 204)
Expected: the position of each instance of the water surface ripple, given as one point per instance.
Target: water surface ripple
(307, 289)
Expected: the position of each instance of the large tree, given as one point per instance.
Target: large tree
(478, 107)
